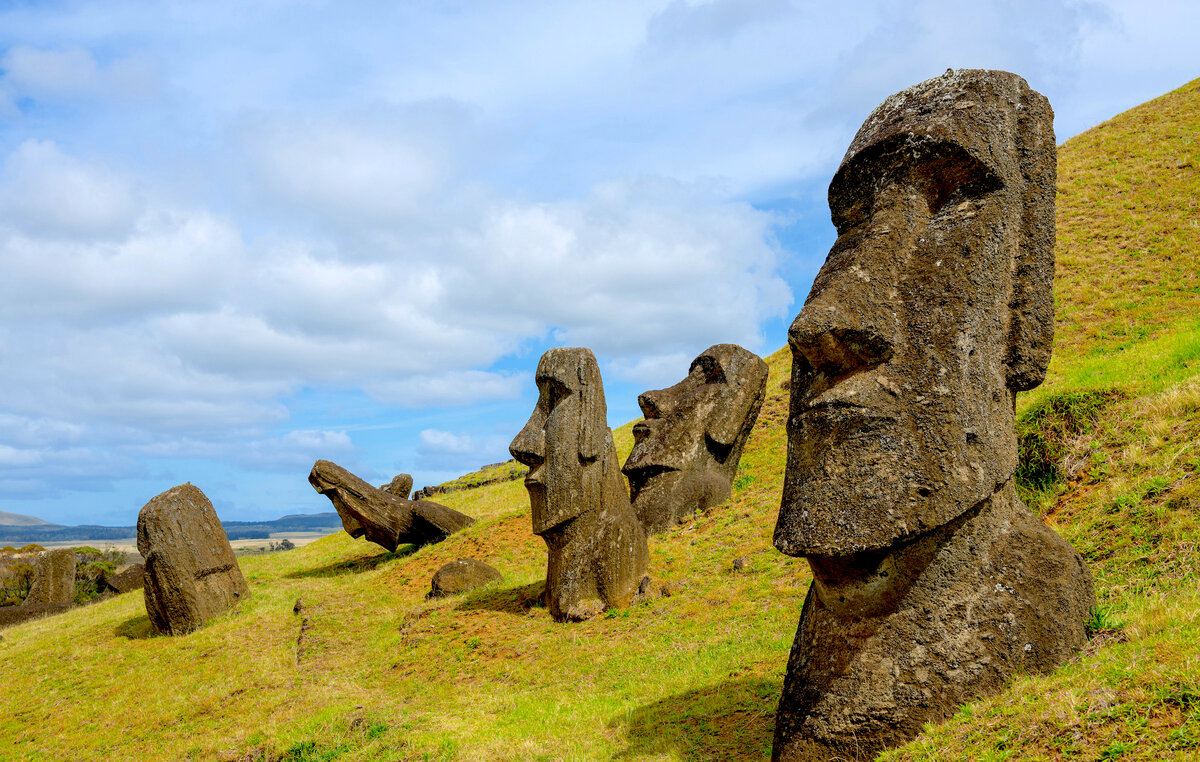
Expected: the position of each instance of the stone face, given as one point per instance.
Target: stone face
(127, 580)
(460, 576)
(191, 574)
(53, 578)
(932, 583)
(596, 547)
(686, 451)
(400, 486)
(380, 516)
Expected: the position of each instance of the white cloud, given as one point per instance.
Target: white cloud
(45, 472)
(73, 72)
(446, 451)
(295, 451)
(44, 191)
(452, 388)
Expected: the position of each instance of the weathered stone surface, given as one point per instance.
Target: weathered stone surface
(380, 516)
(596, 547)
(932, 583)
(11, 615)
(53, 578)
(127, 580)
(686, 451)
(460, 576)
(191, 574)
(400, 486)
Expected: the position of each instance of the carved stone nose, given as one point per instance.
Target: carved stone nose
(837, 343)
(529, 446)
(653, 404)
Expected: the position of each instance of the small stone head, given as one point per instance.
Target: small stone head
(686, 450)
(566, 438)
(933, 309)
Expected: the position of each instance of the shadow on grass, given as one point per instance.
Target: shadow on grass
(732, 720)
(135, 628)
(353, 565)
(511, 600)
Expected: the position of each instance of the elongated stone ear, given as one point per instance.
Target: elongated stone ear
(1031, 332)
(593, 410)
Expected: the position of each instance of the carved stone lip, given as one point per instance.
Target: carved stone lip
(534, 477)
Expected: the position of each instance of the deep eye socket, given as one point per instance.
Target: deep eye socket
(708, 369)
(943, 172)
(553, 392)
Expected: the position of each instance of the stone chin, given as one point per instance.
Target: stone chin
(695, 491)
(857, 483)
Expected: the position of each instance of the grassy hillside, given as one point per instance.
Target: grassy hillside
(371, 670)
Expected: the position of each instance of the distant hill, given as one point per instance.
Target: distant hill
(20, 520)
(36, 530)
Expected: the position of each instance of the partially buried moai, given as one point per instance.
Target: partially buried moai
(191, 574)
(932, 583)
(686, 451)
(596, 547)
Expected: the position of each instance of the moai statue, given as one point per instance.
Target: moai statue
(686, 452)
(381, 515)
(191, 574)
(580, 507)
(53, 578)
(400, 486)
(932, 583)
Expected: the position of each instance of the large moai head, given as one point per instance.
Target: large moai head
(566, 438)
(687, 449)
(933, 309)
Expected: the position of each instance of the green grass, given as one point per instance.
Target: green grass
(371, 670)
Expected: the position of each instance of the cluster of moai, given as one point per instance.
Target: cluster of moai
(932, 583)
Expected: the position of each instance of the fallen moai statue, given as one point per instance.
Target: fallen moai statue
(460, 576)
(191, 574)
(380, 516)
(126, 581)
(596, 546)
(53, 578)
(932, 583)
(13, 615)
(687, 449)
(400, 486)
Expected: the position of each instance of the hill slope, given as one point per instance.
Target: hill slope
(20, 520)
(371, 670)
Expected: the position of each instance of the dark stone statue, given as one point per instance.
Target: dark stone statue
(932, 583)
(380, 516)
(191, 574)
(460, 576)
(596, 547)
(400, 486)
(686, 451)
(53, 578)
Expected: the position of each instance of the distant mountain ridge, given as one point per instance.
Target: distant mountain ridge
(36, 530)
(21, 520)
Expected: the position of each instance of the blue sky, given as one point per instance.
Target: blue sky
(237, 237)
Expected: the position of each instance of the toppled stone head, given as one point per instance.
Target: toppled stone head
(381, 516)
(686, 451)
(932, 584)
(596, 547)
(933, 309)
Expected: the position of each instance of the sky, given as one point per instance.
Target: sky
(237, 237)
